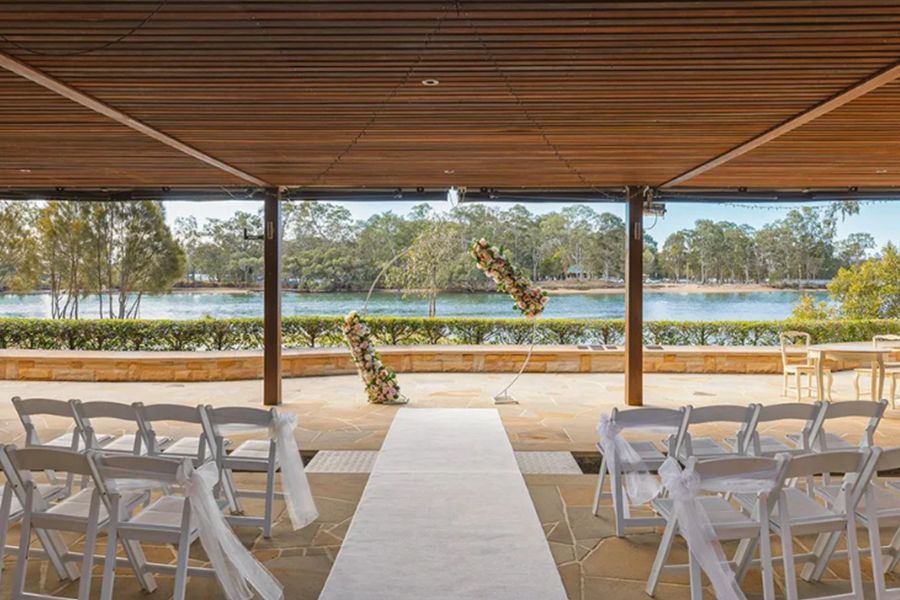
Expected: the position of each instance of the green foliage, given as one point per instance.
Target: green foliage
(807, 309)
(246, 334)
(870, 290)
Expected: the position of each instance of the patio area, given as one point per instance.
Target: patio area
(557, 412)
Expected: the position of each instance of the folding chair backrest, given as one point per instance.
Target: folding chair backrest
(794, 339)
(148, 414)
(742, 416)
(85, 411)
(851, 408)
(26, 460)
(854, 464)
(649, 417)
(145, 468)
(240, 415)
(740, 466)
(798, 411)
(30, 407)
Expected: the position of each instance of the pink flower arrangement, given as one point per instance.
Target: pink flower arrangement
(529, 299)
(381, 382)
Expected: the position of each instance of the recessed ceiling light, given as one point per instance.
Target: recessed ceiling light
(449, 171)
(430, 82)
(881, 171)
(24, 170)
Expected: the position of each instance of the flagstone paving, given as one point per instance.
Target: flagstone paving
(556, 412)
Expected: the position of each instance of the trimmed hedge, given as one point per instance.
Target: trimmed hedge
(245, 334)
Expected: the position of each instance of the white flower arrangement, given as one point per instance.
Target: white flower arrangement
(529, 299)
(380, 381)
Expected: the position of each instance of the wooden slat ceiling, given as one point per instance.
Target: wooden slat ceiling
(531, 94)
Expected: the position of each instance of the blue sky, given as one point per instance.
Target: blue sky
(881, 220)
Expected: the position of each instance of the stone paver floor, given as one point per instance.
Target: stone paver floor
(557, 412)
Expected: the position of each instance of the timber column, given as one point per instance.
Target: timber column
(634, 296)
(272, 298)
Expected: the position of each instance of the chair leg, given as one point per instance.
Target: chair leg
(894, 379)
(5, 505)
(787, 550)
(784, 385)
(765, 558)
(18, 587)
(109, 562)
(181, 562)
(619, 501)
(696, 577)
(853, 558)
(90, 543)
(809, 385)
(599, 492)
(829, 383)
(798, 383)
(270, 501)
(875, 549)
(662, 555)
(823, 550)
(856, 390)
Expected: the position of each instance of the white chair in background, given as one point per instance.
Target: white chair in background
(724, 475)
(196, 447)
(28, 408)
(797, 514)
(767, 445)
(127, 443)
(822, 440)
(649, 420)
(743, 418)
(794, 368)
(82, 513)
(891, 369)
(257, 456)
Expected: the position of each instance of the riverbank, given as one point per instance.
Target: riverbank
(668, 288)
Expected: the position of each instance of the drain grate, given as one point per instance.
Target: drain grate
(547, 463)
(342, 461)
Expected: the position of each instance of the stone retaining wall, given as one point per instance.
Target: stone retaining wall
(226, 366)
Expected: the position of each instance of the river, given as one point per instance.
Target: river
(657, 305)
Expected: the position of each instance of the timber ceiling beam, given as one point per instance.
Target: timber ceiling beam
(857, 90)
(63, 89)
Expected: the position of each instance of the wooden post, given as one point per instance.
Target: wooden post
(272, 299)
(634, 296)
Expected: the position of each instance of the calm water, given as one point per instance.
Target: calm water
(657, 305)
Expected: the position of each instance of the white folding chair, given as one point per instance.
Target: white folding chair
(11, 512)
(194, 447)
(257, 456)
(651, 420)
(80, 513)
(797, 367)
(131, 442)
(797, 514)
(703, 447)
(822, 440)
(729, 524)
(28, 408)
(768, 445)
(166, 520)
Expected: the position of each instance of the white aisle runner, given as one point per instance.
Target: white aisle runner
(445, 514)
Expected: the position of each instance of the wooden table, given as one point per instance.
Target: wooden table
(859, 351)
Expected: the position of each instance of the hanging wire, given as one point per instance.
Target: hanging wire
(386, 100)
(103, 46)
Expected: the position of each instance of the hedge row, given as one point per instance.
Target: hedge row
(243, 334)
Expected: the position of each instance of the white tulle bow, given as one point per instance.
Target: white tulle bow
(241, 576)
(301, 506)
(641, 485)
(683, 487)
